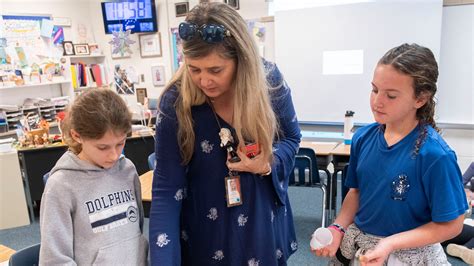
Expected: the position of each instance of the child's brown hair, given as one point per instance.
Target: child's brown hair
(92, 114)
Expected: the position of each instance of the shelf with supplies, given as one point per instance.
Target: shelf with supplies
(88, 71)
(48, 83)
(86, 56)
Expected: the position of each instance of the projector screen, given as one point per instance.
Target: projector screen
(327, 54)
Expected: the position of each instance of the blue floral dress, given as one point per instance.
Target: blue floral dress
(190, 223)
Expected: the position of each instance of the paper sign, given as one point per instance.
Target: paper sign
(46, 28)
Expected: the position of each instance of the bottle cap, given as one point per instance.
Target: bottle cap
(349, 113)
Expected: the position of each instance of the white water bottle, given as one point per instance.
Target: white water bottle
(348, 125)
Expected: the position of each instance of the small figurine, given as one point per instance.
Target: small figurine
(227, 141)
(45, 139)
(22, 141)
(29, 140)
(37, 140)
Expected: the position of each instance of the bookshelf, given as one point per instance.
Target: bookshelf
(88, 71)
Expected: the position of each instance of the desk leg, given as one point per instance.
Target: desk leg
(26, 186)
(334, 196)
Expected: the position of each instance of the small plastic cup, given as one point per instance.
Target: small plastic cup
(321, 237)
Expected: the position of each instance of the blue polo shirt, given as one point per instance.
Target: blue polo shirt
(399, 191)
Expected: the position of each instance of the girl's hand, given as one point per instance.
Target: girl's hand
(330, 251)
(257, 165)
(377, 255)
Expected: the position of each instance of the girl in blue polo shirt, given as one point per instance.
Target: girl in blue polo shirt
(406, 193)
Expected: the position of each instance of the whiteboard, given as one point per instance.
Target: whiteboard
(302, 36)
(456, 80)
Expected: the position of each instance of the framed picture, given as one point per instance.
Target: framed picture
(181, 9)
(81, 49)
(94, 49)
(141, 95)
(150, 45)
(232, 3)
(158, 75)
(68, 48)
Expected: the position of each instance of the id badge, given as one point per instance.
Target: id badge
(233, 192)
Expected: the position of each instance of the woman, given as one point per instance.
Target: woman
(222, 86)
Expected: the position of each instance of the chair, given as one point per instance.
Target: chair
(152, 161)
(45, 177)
(26, 256)
(306, 161)
(343, 181)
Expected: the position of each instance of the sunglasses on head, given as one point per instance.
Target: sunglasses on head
(210, 33)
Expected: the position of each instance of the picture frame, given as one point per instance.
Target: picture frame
(158, 75)
(233, 3)
(94, 49)
(141, 95)
(150, 45)
(181, 9)
(68, 48)
(81, 49)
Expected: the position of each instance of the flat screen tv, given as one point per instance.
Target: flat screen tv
(134, 15)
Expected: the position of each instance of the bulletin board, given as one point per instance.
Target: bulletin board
(22, 30)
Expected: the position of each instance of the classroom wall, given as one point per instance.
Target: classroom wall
(88, 13)
(166, 20)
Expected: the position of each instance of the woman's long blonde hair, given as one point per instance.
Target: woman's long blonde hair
(254, 119)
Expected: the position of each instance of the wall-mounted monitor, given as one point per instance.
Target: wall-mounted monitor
(134, 15)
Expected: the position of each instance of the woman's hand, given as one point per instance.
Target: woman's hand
(330, 251)
(377, 255)
(257, 165)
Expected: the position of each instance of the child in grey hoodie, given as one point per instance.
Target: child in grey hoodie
(91, 209)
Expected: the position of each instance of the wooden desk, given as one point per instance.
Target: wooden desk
(323, 152)
(146, 181)
(5, 253)
(321, 148)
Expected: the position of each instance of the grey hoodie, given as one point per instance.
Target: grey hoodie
(90, 215)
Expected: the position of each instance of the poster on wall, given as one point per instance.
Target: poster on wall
(258, 30)
(23, 30)
(177, 49)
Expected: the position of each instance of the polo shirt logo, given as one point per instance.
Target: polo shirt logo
(400, 187)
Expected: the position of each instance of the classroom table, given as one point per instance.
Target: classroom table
(146, 181)
(5, 253)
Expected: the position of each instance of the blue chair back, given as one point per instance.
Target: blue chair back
(45, 177)
(152, 161)
(305, 160)
(27, 256)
